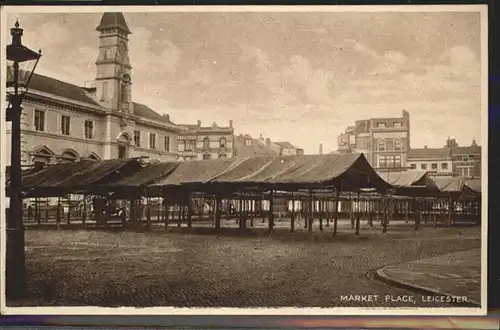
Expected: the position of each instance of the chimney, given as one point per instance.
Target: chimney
(199, 122)
(231, 123)
(268, 142)
(474, 143)
(167, 116)
(321, 148)
(425, 147)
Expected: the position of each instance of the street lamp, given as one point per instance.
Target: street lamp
(21, 63)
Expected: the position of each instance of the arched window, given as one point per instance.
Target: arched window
(107, 54)
(206, 143)
(222, 155)
(207, 156)
(68, 156)
(381, 144)
(104, 95)
(222, 143)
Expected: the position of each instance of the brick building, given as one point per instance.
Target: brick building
(450, 160)
(385, 142)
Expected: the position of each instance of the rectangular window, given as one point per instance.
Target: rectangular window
(248, 142)
(413, 166)
(381, 144)
(397, 161)
(434, 166)
(423, 166)
(65, 125)
(137, 138)
(89, 129)
(444, 166)
(381, 125)
(39, 120)
(382, 161)
(167, 143)
(397, 124)
(152, 141)
(398, 145)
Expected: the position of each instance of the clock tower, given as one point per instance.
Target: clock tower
(113, 79)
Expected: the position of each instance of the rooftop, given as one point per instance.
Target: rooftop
(257, 148)
(113, 20)
(76, 93)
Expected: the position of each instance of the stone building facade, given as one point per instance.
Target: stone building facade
(65, 122)
(197, 142)
(450, 160)
(385, 142)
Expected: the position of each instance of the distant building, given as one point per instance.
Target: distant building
(449, 160)
(286, 149)
(385, 142)
(196, 142)
(247, 146)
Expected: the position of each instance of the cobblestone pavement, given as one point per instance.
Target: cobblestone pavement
(457, 274)
(97, 268)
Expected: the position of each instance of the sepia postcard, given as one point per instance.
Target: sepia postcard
(244, 160)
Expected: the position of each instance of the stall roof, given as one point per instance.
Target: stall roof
(447, 184)
(305, 170)
(474, 185)
(407, 178)
(198, 171)
(149, 173)
(71, 175)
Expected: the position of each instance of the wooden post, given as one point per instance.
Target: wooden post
(68, 216)
(252, 211)
(351, 211)
(133, 212)
(416, 213)
(189, 211)
(358, 215)
(165, 213)
(450, 212)
(434, 219)
(292, 216)
(148, 215)
(58, 214)
(321, 207)
(385, 218)
(370, 219)
(311, 213)
(262, 213)
(328, 205)
(306, 212)
(271, 211)
(158, 209)
(218, 210)
(84, 213)
(124, 214)
(336, 212)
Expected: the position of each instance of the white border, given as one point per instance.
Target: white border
(482, 9)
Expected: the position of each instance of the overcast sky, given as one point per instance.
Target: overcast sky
(298, 77)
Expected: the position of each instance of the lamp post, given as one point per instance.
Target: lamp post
(21, 63)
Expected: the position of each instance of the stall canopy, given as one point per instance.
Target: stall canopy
(71, 177)
(348, 172)
(410, 183)
(457, 187)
